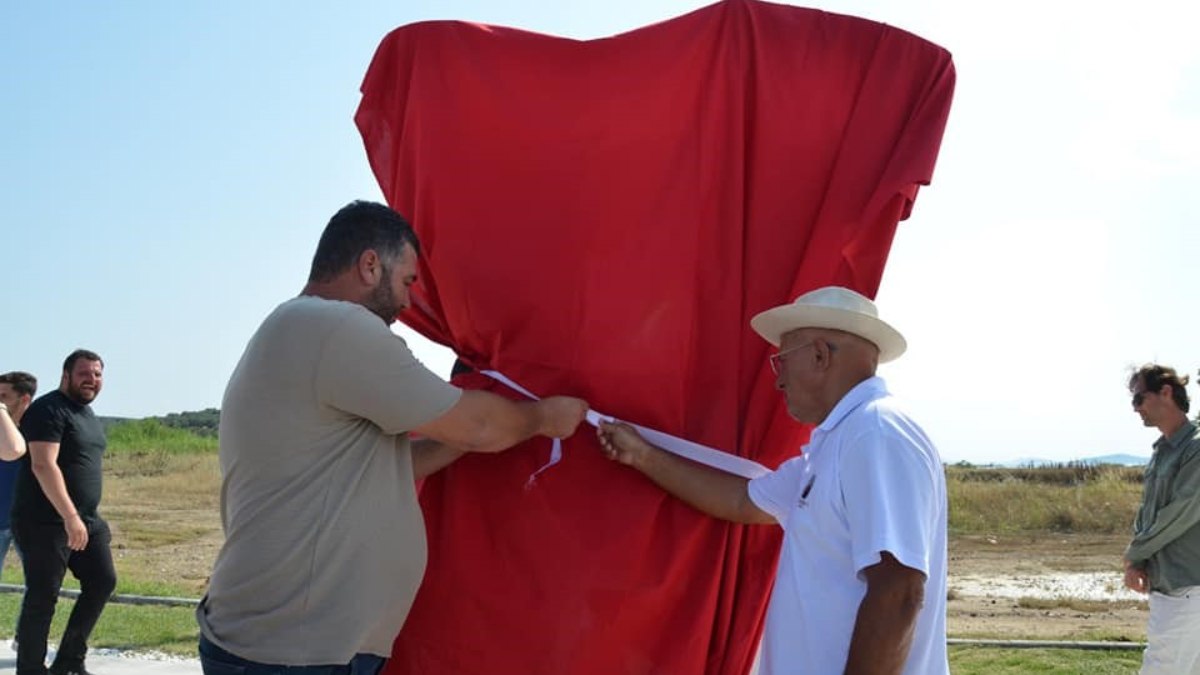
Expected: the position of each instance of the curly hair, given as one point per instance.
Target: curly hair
(1153, 376)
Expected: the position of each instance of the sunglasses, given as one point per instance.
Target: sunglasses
(1139, 397)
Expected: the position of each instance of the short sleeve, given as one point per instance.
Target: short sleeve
(891, 500)
(44, 423)
(779, 491)
(369, 371)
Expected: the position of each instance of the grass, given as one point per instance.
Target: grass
(162, 488)
(994, 501)
(995, 661)
(154, 437)
(161, 496)
(170, 630)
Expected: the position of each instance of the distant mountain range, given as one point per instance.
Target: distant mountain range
(1120, 459)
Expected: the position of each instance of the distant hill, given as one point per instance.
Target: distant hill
(1122, 459)
(1118, 459)
(200, 422)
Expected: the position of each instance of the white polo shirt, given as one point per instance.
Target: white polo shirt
(868, 481)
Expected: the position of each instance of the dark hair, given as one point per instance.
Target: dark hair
(460, 367)
(1153, 376)
(360, 226)
(21, 382)
(80, 354)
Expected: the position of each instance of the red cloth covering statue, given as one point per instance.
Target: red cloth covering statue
(602, 218)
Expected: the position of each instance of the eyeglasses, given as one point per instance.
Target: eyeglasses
(1139, 397)
(776, 359)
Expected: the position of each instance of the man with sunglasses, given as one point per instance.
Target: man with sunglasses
(861, 584)
(1164, 557)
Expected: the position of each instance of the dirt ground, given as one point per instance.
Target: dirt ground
(967, 617)
(167, 528)
(1035, 554)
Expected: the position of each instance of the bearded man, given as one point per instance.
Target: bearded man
(55, 517)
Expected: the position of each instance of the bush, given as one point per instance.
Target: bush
(152, 436)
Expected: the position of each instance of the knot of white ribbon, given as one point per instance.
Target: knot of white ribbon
(717, 459)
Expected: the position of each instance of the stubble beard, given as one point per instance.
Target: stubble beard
(382, 301)
(79, 395)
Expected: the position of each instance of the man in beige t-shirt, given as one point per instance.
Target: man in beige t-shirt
(325, 543)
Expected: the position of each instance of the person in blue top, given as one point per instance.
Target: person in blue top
(17, 390)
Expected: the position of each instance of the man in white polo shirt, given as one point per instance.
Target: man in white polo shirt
(861, 584)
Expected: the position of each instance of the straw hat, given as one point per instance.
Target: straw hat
(836, 308)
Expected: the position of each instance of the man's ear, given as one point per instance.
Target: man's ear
(821, 352)
(369, 268)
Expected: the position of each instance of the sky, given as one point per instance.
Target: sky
(167, 169)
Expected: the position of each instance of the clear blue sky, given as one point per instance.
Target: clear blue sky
(168, 166)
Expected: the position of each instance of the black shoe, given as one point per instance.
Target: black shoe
(79, 670)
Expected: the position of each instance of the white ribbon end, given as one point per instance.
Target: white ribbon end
(555, 456)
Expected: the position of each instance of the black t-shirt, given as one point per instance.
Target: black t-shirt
(55, 418)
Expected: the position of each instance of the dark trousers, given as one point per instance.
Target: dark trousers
(217, 661)
(46, 561)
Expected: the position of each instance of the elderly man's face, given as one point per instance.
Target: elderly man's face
(799, 375)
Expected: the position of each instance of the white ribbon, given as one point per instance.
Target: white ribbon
(717, 459)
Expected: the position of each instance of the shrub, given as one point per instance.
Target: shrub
(152, 436)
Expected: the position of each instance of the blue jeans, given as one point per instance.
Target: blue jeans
(6, 539)
(217, 661)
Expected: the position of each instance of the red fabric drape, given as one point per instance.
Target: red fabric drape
(602, 219)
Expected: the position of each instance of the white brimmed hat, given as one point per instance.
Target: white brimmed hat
(836, 308)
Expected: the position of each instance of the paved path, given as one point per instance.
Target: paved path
(106, 662)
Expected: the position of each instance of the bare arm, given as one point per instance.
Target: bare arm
(484, 422)
(719, 494)
(12, 443)
(44, 462)
(430, 456)
(887, 618)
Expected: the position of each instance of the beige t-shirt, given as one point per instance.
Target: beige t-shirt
(324, 539)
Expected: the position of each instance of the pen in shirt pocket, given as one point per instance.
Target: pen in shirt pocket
(807, 489)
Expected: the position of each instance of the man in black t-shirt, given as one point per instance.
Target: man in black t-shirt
(55, 519)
